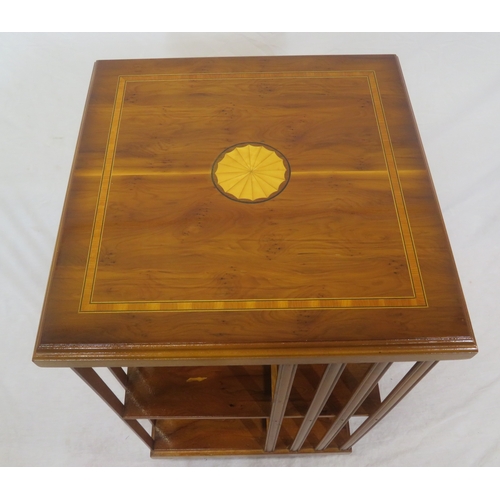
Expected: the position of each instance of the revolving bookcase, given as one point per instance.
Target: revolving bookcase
(248, 244)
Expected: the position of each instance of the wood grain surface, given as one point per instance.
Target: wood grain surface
(234, 437)
(155, 266)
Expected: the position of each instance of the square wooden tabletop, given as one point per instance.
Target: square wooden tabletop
(251, 210)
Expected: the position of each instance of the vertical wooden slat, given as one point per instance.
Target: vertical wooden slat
(325, 388)
(407, 383)
(374, 374)
(286, 374)
(94, 381)
(122, 378)
(120, 375)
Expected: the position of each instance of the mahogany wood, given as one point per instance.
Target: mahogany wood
(225, 216)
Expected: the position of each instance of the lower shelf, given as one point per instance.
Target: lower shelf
(186, 437)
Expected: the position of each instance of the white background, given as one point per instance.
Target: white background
(49, 417)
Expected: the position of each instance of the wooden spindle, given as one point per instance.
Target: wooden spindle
(407, 383)
(325, 388)
(98, 385)
(370, 380)
(120, 375)
(286, 374)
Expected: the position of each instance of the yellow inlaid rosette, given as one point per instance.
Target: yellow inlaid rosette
(250, 172)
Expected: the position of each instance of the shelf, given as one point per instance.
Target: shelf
(199, 392)
(181, 437)
(233, 392)
(208, 437)
(223, 410)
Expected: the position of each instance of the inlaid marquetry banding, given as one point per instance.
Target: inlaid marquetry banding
(416, 299)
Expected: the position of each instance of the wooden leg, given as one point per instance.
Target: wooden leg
(94, 381)
(284, 383)
(325, 388)
(374, 374)
(417, 372)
